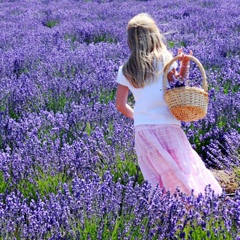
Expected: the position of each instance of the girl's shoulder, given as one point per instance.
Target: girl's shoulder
(121, 79)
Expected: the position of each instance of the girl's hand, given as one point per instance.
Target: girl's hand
(184, 65)
(184, 58)
(121, 101)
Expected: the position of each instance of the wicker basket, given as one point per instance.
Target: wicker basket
(187, 103)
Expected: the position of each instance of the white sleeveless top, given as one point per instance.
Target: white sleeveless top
(150, 106)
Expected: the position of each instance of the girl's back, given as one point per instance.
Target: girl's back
(150, 106)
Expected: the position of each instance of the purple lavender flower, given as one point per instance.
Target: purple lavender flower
(67, 160)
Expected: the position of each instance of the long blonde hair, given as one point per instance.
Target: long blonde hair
(146, 44)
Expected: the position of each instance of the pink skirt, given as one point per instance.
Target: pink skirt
(166, 158)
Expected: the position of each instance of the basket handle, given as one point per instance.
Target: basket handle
(205, 85)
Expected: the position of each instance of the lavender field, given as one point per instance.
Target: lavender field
(68, 169)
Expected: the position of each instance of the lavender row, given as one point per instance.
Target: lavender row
(72, 75)
(100, 208)
(87, 134)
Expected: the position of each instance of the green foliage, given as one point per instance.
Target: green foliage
(183, 44)
(213, 230)
(104, 38)
(71, 37)
(112, 227)
(88, 128)
(47, 183)
(3, 183)
(51, 23)
(41, 185)
(120, 167)
(56, 102)
(2, 107)
(13, 114)
(107, 96)
(171, 44)
(128, 165)
(100, 38)
(237, 172)
(230, 88)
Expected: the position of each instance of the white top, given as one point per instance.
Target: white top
(150, 106)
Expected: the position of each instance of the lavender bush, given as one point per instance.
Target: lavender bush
(68, 169)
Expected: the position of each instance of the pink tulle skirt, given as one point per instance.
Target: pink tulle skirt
(166, 158)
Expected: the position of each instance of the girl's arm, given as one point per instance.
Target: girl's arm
(121, 101)
(171, 75)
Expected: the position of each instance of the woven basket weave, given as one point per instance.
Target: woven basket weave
(187, 103)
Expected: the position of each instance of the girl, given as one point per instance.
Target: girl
(164, 153)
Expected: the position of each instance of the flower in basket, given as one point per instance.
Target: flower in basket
(176, 83)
